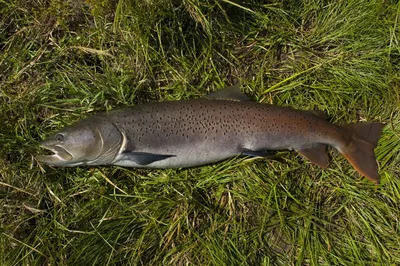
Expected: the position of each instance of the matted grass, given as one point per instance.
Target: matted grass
(63, 60)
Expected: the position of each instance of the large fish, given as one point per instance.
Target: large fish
(201, 131)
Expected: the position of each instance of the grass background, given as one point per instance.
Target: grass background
(63, 60)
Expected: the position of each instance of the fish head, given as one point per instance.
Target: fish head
(91, 141)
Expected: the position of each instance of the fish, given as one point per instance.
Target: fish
(195, 132)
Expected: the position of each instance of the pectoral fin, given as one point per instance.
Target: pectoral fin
(144, 158)
(316, 154)
(251, 153)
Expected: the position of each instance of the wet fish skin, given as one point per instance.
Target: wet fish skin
(205, 131)
(196, 132)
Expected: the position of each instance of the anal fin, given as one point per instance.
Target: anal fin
(316, 154)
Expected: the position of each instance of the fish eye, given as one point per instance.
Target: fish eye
(59, 137)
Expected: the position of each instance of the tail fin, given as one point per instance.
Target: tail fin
(360, 152)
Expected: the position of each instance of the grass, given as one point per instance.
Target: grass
(63, 60)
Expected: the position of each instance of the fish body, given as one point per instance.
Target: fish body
(189, 133)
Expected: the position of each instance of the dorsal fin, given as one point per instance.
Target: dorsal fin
(318, 113)
(231, 93)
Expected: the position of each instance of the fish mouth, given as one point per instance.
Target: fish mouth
(60, 156)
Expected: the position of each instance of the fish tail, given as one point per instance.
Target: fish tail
(360, 151)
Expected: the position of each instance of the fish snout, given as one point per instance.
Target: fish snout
(59, 155)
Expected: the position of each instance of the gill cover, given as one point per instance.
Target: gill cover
(91, 141)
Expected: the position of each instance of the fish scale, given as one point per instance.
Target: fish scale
(220, 118)
(201, 131)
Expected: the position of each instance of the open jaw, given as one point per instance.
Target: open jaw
(59, 157)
